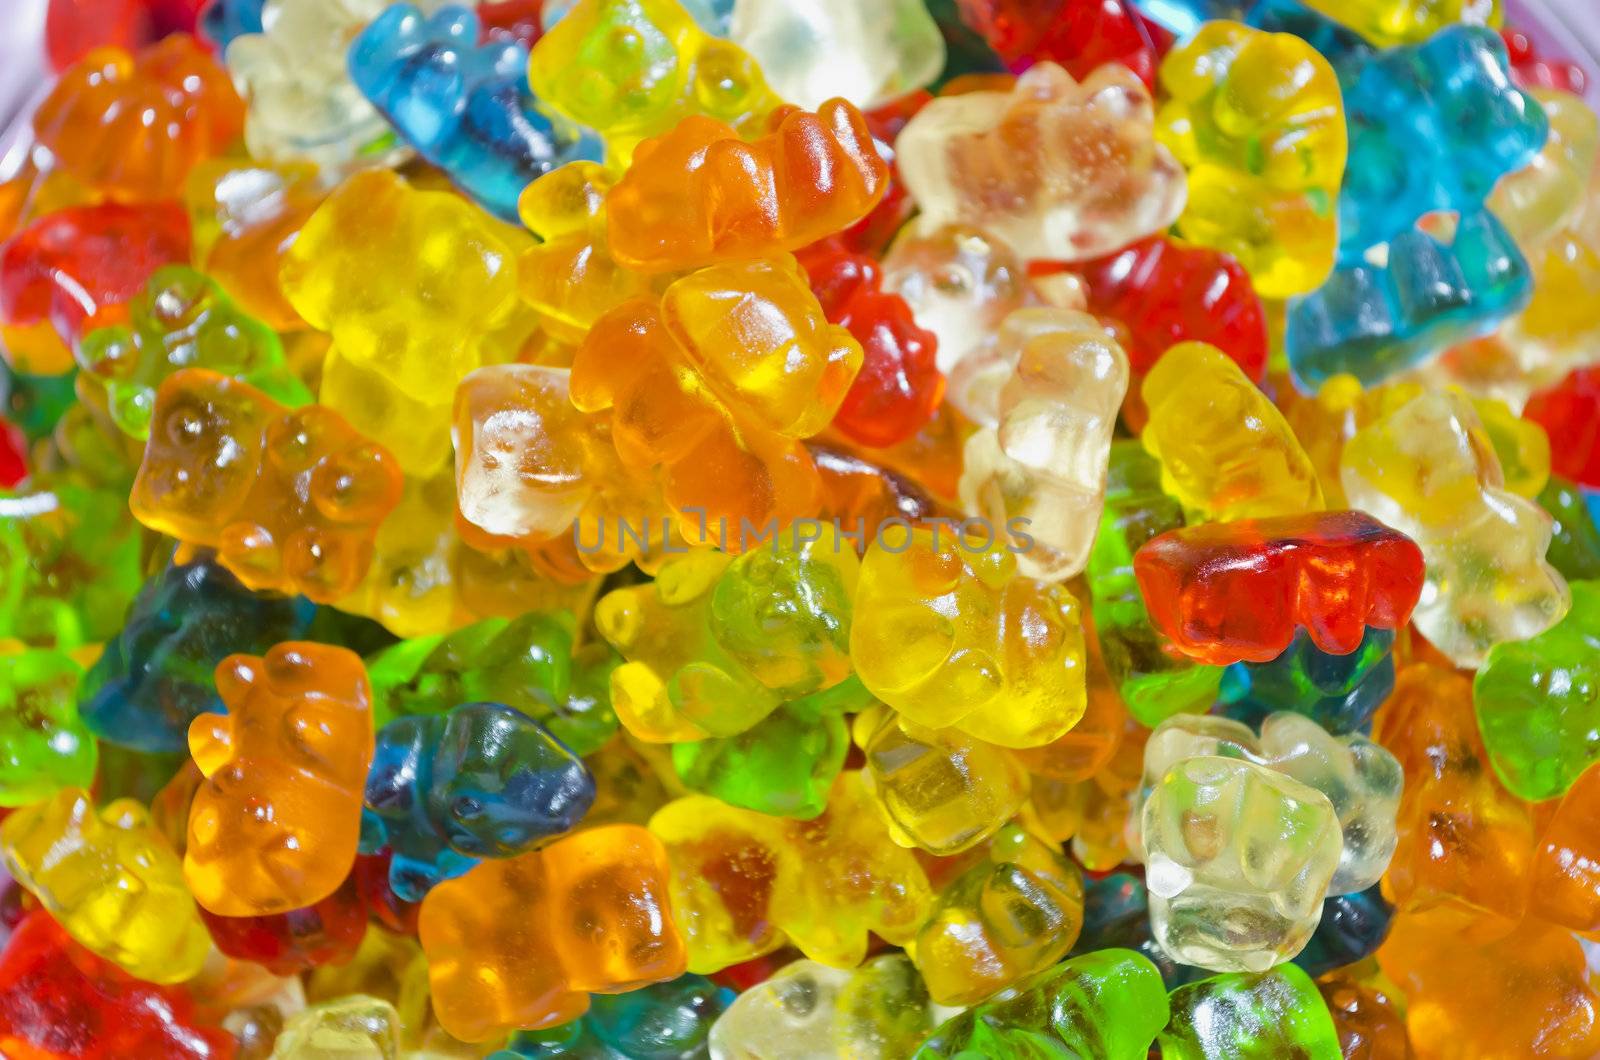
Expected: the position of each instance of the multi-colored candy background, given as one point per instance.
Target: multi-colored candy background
(786, 529)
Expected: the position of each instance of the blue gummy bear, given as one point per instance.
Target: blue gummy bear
(223, 20)
(464, 106)
(1374, 321)
(1432, 127)
(661, 1021)
(1338, 44)
(1352, 928)
(483, 781)
(154, 677)
(1338, 692)
(1116, 913)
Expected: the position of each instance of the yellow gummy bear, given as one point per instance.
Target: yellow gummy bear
(1390, 22)
(1259, 121)
(112, 881)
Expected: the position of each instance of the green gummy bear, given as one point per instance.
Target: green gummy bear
(44, 745)
(1250, 1016)
(1575, 541)
(1538, 702)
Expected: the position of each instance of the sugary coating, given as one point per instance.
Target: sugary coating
(1081, 35)
(301, 104)
(1229, 592)
(1482, 991)
(463, 106)
(939, 790)
(1390, 22)
(744, 882)
(45, 745)
(808, 1009)
(1045, 397)
(716, 643)
(521, 942)
(1153, 681)
(326, 932)
(1057, 169)
(1160, 292)
(1538, 702)
(409, 283)
(960, 282)
(899, 384)
(1244, 1016)
(132, 127)
(632, 69)
(971, 946)
(659, 1021)
(1257, 120)
(867, 53)
(71, 557)
(245, 215)
(533, 664)
(76, 268)
(1428, 470)
(1366, 1019)
(716, 383)
(276, 823)
(182, 319)
(1229, 843)
(1432, 127)
(1110, 1004)
(1352, 927)
(290, 499)
(1338, 692)
(953, 636)
(109, 878)
(569, 277)
(352, 1027)
(784, 765)
(1535, 201)
(1375, 320)
(699, 195)
(1360, 779)
(1224, 448)
(1462, 836)
(59, 1000)
(155, 676)
(482, 781)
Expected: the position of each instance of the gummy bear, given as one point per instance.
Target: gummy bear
(72, 28)
(1390, 22)
(1428, 470)
(1257, 119)
(1108, 1004)
(1535, 201)
(290, 499)
(58, 1000)
(482, 781)
(1081, 35)
(1045, 398)
(223, 20)
(111, 880)
(949, 635)
(1245, 1016)
(716, 384)
(632, 69)
(1057, 169)
(275, 825)
(783, 765)
(44, 744)
(1575, 542)
(520, 942)
(326, 932)
(1338, 692)
(1352, 927)
(1530, 69)
(133, 127)
(1230, 592)
(465, 107)
(182, 319)
(352, 1026)
(1567, 412)
(1224, 448)
(659, 1021)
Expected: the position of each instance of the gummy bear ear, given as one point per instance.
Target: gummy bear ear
(211, 742)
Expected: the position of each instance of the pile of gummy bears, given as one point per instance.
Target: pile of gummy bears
(788, 529)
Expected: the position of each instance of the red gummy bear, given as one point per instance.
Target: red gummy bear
(871, 234)
(1235, 592)
(58, 1000)
(328, 932)
(13, 459)
(900, 384)
(78, 267)
(1570, 414)
(1078, 34)
(371, 874)
(1529, 69)
(73, 28)
(1164, 292)
(511, 20)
